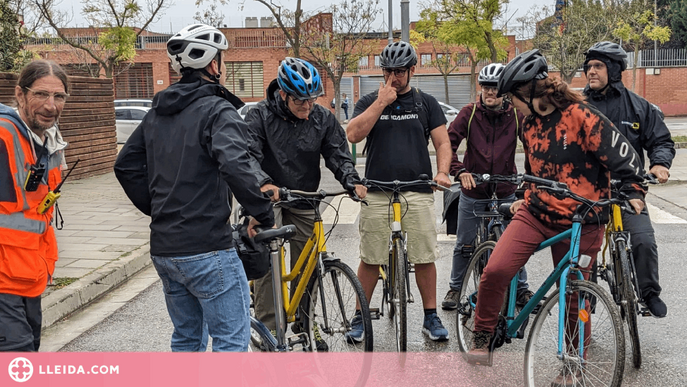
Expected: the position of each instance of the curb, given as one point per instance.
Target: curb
(71, 298)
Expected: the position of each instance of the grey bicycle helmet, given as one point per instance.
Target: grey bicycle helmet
(610, 50)
(490, 74)
(195, 46)
(398, 55)
(523, 68)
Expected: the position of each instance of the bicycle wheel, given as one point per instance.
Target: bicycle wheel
(628, 299)
(465, 317)
(329, 313)
(399, 295)
(604, 353)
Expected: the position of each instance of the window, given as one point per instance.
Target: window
(245, 79)
(122, 114)
(425, 59)
(137, 114)
(378, 61)
(134, 81)
(363, 62)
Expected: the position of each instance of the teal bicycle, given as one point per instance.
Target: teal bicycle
(561, 345)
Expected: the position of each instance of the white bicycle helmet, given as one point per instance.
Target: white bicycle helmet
(195, 47)
(490, 74)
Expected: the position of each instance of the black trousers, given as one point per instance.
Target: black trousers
(644, 251)
(20, 323)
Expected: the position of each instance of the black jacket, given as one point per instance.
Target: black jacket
(638, 120)
(180, 163)
(288, 149)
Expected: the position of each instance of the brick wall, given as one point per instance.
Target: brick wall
(667, 89)
(87, 123)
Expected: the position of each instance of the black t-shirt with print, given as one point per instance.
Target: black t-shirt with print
(397, 143)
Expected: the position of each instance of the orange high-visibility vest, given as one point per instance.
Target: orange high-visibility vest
(28, 247)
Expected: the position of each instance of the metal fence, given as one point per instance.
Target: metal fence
(659, 58)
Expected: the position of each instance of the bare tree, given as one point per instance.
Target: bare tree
(112, 36)
(290, 23)
(211, 16)
(340, 50)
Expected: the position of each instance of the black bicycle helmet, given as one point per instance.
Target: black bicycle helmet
(523, 68)
(398, 55)
(610, 50)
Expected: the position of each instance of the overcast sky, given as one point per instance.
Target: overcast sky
(182, 12)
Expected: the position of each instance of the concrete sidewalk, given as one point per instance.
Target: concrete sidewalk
(105, 239)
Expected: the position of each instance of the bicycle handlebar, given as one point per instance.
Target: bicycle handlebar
(397, 184)
(292, 195)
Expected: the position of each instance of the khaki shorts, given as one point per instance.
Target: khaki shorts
(419, 222)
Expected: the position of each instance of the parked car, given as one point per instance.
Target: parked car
(134, 102)
(244, 110)
(450, 112)
(127, 119)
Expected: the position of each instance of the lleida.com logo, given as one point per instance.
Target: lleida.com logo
(20, 369)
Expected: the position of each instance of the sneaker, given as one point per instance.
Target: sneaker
(451, 300)
(357, 333)
(320, 344)
(523, 297)
(656, 306)
(433, 328)
(566, 378)
(479, 353)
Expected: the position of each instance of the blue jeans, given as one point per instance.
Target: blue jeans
(206, 294)
(466, 232)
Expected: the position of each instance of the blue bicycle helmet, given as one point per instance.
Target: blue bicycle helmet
(299, 79)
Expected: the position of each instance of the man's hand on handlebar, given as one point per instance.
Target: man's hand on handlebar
(275, 191)
(361, 191)
(442, 179)
(662, 174)
(467, 181)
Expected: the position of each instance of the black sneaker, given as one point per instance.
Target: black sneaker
(656, 306)
(523, 297)
(451, 300)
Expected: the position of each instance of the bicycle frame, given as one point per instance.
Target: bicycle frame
(561, 272)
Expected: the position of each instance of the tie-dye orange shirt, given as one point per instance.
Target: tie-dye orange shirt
(577, 146)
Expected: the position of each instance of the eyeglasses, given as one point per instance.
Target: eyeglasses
(43, 96)
(595, 66)
(490, 89)
(301, 102)
(396, 72)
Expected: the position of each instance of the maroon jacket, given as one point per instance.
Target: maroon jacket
(490, 148)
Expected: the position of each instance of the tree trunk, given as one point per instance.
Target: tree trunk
(448, 100)
(634, 66)
(473, 69)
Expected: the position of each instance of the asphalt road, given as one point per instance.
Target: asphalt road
(142, 323)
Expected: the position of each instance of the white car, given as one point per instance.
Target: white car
(127, 119)
(450, 112)
(244, 110)
(134, 102)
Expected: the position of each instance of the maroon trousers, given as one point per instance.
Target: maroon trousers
(514, 249)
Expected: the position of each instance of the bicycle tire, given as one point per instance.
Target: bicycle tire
(465, 316)
(342, 292)
(605, 351)
(628, 300)
(399, 295)
(259, 339)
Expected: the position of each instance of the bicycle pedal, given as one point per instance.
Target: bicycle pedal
(411, 299)
(300, 338)
(645, 312)
(375, 313)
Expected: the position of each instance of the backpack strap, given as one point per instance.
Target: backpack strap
(422, 113)
(517, 123)
(474, 107)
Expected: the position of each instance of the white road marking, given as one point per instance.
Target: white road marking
(348, 211)
(662, 217)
